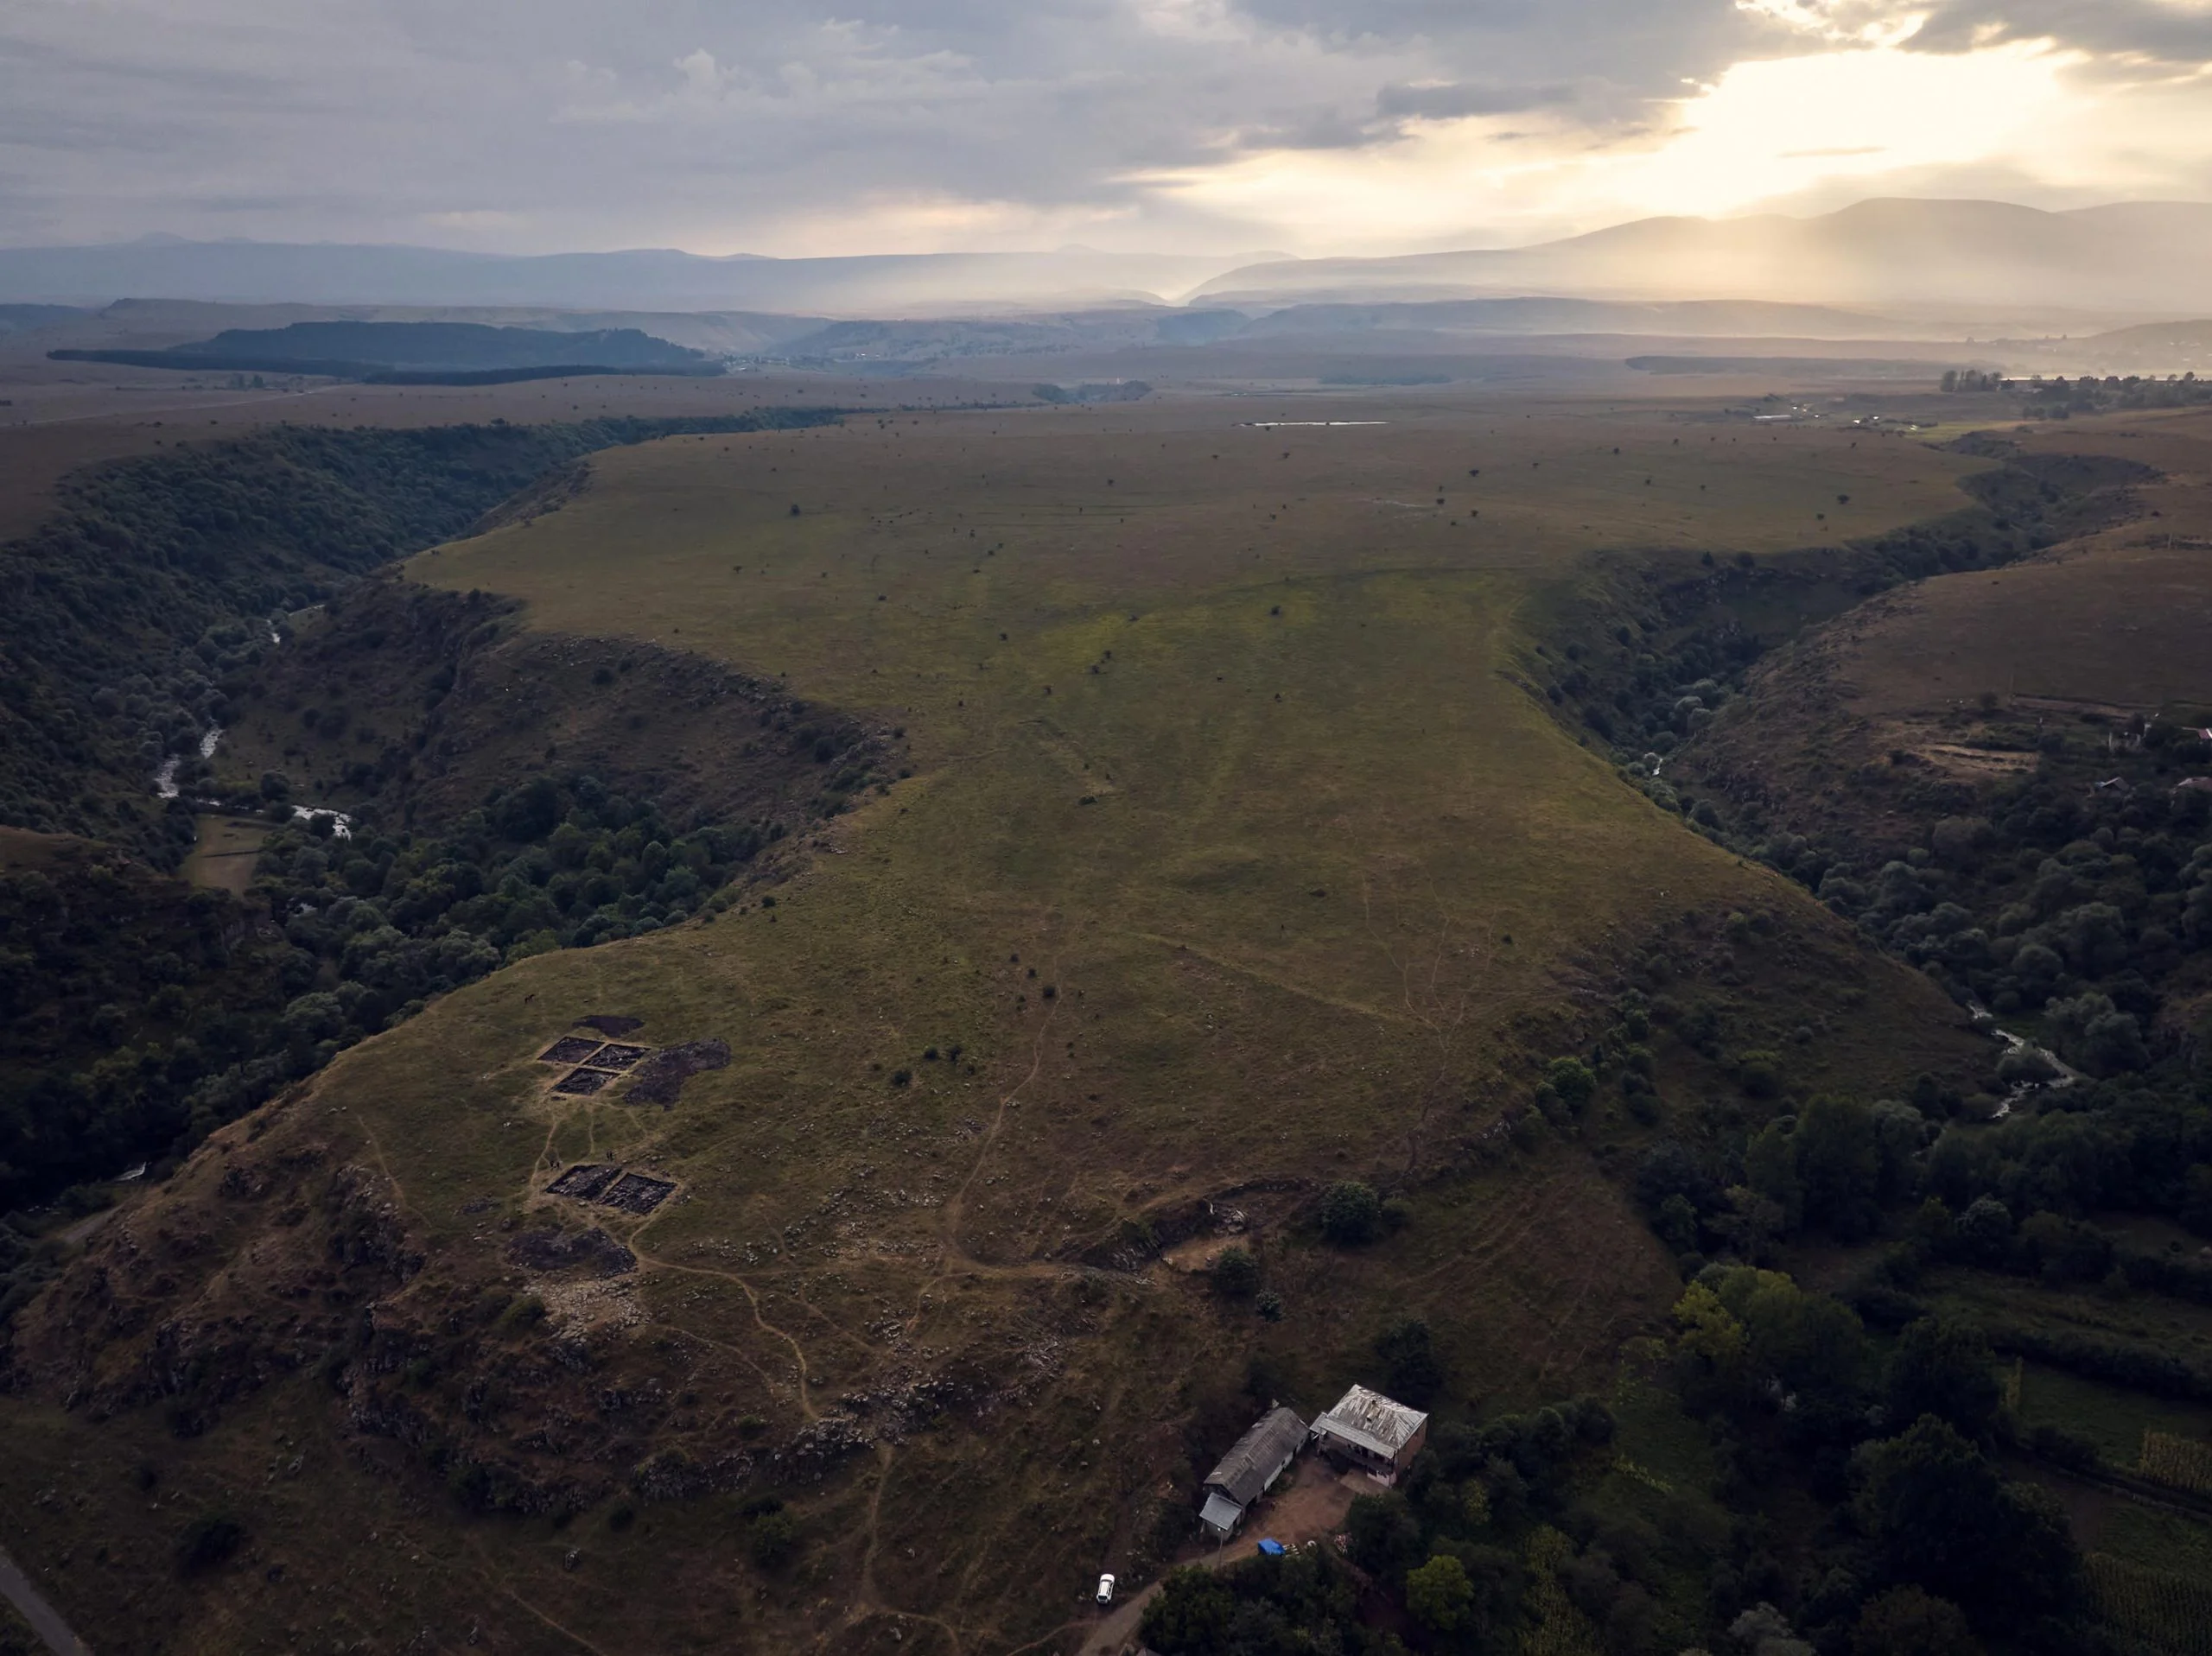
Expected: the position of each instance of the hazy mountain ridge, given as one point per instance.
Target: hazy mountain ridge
(2137, 256)
(657, 278)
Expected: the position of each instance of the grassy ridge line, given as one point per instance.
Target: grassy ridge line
(130, 612)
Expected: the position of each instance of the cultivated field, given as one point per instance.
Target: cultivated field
(1235, 861)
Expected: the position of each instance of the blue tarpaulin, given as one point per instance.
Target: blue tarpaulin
(1273, 1549)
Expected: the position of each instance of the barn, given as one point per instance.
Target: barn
(1246, 1472)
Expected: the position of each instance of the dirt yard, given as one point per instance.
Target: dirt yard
(1309, 1504)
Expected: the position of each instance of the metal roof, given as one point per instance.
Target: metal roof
(1220, 1512)
(1375, 1423)
(1261, 1452)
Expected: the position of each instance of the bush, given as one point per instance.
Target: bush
(207, 1542)
(1235, 1273)
(771, 1539)
(1571, 1081)
(1411, 1370)
(1351, 1213)
(1438, 1593)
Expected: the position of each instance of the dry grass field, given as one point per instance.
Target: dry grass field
(1233, 861)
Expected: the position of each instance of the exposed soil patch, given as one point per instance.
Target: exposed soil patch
(611, 1023)
(584, 1181)
(660, 1078)
(637, 1193)
(569, 1049)
(583, 1082)
(594, 1252)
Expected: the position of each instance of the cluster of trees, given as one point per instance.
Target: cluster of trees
(377, 925)
(161, 575)
(2075, 894)
(118, 990)
(149, 1048)
(2012, 1197)
(1971, 379)
(1788, 1385)
(2058, 399)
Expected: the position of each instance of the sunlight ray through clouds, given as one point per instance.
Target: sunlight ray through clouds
(1761, 129)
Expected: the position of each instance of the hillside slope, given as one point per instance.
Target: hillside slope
(1236, 862)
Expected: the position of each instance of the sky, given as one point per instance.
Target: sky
(1311, 126)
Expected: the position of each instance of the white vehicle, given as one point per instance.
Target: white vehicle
(1106, 1589)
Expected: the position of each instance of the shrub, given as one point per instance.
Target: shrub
(1236, 1273)
(207, 1542)
(1571, 1081)
(1411, 1370)
(1351, 1213)
(771, 1539)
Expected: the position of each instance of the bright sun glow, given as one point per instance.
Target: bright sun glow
(1763, 129)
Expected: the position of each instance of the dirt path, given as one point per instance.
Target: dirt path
(46, 1621)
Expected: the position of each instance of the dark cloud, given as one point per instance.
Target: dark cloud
(2165, 33)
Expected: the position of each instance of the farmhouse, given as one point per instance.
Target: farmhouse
(1245, 1473)
(1370, 1432)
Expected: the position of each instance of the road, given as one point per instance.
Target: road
(46, 1621)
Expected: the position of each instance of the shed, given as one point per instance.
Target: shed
(1372, 1432)
(1250, 1467)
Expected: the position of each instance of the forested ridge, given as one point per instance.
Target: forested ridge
(138, 1015)
(162, 578)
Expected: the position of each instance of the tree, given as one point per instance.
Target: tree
(1235, 1273)
(1906, 1622)
(1190, 1614)
(1984, 1231)
(1838, 1167)
(1385, 1537)
(1438, 1593)
(1351, 1214)
(207, 1542)
(773, 1537)
(1571, 1081)
(1943, 1368)
(1411, 1369)
(1712, 1346)
(1941, 1517)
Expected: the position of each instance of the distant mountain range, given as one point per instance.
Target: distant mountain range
(652, 279)
(1911, 259)
(1915, 257)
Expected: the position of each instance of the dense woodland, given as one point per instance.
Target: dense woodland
(134, 611)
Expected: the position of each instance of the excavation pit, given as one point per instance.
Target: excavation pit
(639, 1193)
(585, 1181)
(617, 1055)
(582, 1083)
(569, 1049)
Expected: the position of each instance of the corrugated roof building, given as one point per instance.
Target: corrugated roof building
(1247, 1471)
(1372, 1432)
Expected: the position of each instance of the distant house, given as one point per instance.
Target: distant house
(1248, 1470)
(1370, 1432)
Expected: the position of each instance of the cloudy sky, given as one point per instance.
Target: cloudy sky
(840, 126)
